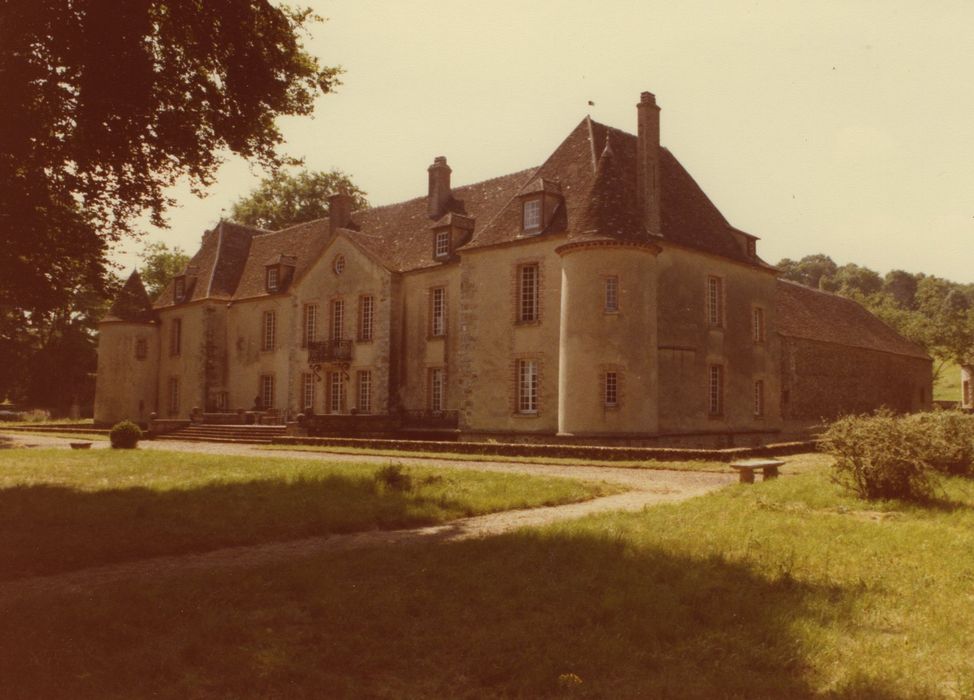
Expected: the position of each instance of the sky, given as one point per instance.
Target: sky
(844, 128)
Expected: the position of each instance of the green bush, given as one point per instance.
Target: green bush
(949, 440)
(393, 477)
(125, 435)
(882, 456)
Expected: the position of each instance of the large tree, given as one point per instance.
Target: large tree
(292, 198)
(160, 263)
(106, 103)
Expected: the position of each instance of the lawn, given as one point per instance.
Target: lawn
(62, 510)
(947, 386)
(787, 589)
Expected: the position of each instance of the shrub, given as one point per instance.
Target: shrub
(949, 440)
(393, 477)
(881, 456)
(125, 435)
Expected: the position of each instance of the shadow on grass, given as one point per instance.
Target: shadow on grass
(47, 529)
(526, 615)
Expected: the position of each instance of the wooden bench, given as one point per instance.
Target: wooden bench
(746, 467)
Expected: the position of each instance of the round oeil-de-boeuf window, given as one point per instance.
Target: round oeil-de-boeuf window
(338, 264)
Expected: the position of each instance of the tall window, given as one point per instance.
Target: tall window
(715, 301)
(610, 389)
(611, 294)
(141, 348)
(527, 386)
(758, 398)
(266, 391)
(715, 393)
(307, 392)
(337, 319)
(268, 330)
(309, 325)
(967, 393)
(527, 293)
(272, 279)
(366, 312)
(175, 337)
(532, 215)
(436, 389)
(179, 289)
(441, 246)
(364, 382)
(757, 324)
(336, 392)
(438, 311)
(173, 396)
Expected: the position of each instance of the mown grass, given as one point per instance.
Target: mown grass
(947, 387)
(27, 434)
(62, 510)
(785, 589)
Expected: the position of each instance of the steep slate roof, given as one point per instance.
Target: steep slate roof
(132, 302)
(808, 313)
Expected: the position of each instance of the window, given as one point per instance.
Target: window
(527, 386)
(752, 249)
(179, 289)
(364, 381)
(532, 215)
(366, 312)
(715, 394)
(611, 304)
(338, 264)
(141, 348)
(266, 391)
(436, 389)
(336, 392)
(309, 326)
(173, 396)
(437, 311)
(441, 246)
(610, 389)
(757, 324)
(273, 276)
(527, 293)
(268, 331)
(337, 319)
(175, 337)
(967, 393)
(715, 301)
(759, 398)
(307, 392)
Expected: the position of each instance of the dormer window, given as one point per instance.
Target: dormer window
(531, 216)
(273, 278)
(752, 248)
(179, 289)
(441, 244)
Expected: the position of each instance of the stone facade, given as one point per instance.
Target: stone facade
(599, 297)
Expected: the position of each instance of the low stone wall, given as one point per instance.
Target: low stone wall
(593, 452)
(161, 426)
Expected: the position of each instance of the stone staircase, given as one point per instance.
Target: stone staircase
(239, 434)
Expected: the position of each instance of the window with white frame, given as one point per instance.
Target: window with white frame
(758, 398)
(266, 391)
(757, 324)
(531, 220)
(141, 348)
(437, 311)
(611, 296)
(610, 389)
(364, 382)
(336, 392)
(337, 319)
(527, 386)
(307, 392)
(173, 396)
(527, 293)
(175, 336)
(441, 246)
(715, 301)
(715, 390)
(309, 325)
(273, 278)
(268, 331)
(436, 388)
(366, 313)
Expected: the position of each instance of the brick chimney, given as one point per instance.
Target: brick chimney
(339, 211)
(647, 163)
(439, 192)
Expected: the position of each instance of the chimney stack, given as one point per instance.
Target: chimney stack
(647, 163)
(339, 211)
(439, 192)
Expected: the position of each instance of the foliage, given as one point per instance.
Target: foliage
(292, 198)
(881, 456)
(809, 271)
(160, 264)
(949, 439)
(106, 104)
(125, 435)
(393, 477)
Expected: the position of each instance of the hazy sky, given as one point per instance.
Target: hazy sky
(845, 128)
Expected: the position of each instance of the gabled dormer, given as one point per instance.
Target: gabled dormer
(183, 284)
(449, 233)
(747, 243)
(278, 273)
(540, 202)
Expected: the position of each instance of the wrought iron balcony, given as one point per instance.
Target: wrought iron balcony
(322, 351)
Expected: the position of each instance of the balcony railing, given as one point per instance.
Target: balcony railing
(321, 351)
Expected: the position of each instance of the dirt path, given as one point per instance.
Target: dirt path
(647, 487)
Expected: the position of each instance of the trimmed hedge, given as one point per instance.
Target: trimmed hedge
(125, 435)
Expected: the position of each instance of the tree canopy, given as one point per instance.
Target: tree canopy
(160, 263)
(108, 103)
(292, 198)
